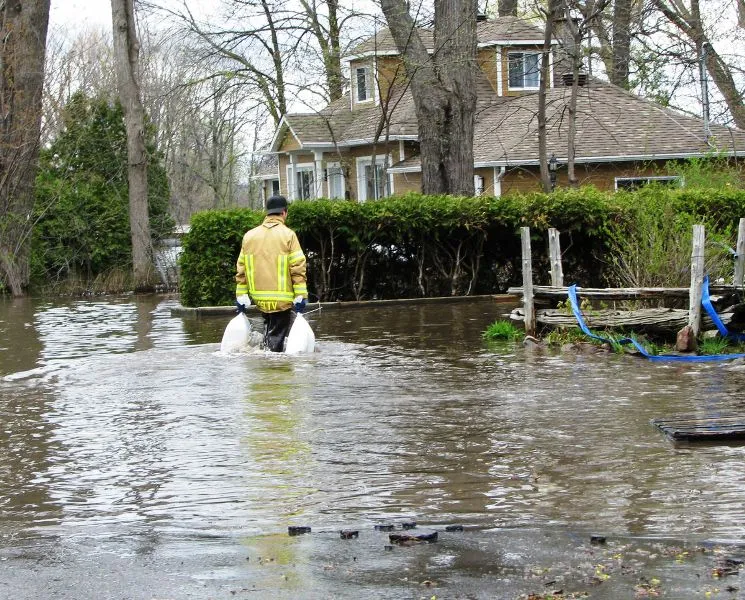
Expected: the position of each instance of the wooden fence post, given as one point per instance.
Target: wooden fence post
(740, 255)
(697, 279)
(528, 305)
(554, 251)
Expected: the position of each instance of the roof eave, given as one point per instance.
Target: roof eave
(582, 160)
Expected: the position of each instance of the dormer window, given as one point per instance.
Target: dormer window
(363, 80)
(525, 70)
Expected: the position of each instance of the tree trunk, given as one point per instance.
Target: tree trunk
(126, 57)
(443, 87)
(23, 34)
(543, 85)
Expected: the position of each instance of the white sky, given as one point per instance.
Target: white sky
(87, 14)
(80, 14)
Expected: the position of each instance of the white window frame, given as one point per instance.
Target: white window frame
(650, 179)
(478, 185)
(364, 161)
(334, 165)
(537, 53)
(369, 87)
(299, 168)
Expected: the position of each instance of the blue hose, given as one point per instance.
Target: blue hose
(705, 301)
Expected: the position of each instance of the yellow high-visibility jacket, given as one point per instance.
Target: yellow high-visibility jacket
(271, 266)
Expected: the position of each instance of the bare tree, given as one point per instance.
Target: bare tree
(443, 87)
(551, 14)
(687, 19)
(126, 58)
(23, 33)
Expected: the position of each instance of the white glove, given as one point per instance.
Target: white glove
(244, 300)
(297, 300)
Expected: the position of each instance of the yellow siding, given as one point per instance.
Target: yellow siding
(487, 60)
(289, 142)
(602, 176)
(390, 72)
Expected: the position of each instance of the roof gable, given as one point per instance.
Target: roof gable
(502, 30)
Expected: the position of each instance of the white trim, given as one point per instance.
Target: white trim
(264, 177)
(405, 169)
(361, 163)
(498, 42)
(368, 54)
(318, 173)
(581, 160)
(329, 147)
(499, 173)
(500, 71)
(401, 151)
(282, 122)
(291, 177)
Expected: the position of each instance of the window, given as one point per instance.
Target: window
(335, 180)
(524, 70)
(373, 183)
(632, 183)
(305, 185)
(270, 188)
(478, 185)
(364, 89)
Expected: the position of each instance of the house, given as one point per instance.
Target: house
(364, 145)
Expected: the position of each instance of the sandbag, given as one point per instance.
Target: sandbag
(237, 334)
(301, 337)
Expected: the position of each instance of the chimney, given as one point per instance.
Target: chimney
(566, 30)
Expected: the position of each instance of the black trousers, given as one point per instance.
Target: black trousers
(276, 328)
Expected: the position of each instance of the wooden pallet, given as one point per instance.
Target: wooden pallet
(694, 428)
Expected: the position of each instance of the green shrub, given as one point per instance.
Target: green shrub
(82, 229)
(415, 245)
(210, 253)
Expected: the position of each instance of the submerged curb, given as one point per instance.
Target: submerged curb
(206, 311)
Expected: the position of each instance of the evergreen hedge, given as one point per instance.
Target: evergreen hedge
(415, 245)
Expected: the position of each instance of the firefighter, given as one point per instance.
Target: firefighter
(271, 273)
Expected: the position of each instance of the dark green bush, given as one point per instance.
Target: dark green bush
(82, 205)
(417, 245)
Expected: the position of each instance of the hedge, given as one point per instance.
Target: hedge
(415, 245)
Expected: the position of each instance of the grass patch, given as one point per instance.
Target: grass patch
(502, 330)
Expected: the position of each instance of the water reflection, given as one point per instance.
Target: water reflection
(123, 422)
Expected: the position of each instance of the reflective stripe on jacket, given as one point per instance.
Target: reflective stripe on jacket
(271, 266)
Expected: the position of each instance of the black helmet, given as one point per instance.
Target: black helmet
(276, 205)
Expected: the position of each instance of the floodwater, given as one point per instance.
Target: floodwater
(128, 440)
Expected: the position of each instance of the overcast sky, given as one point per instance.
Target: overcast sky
(84, 14)
(80, 13)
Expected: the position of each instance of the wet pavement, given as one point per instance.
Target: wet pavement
(139, 462)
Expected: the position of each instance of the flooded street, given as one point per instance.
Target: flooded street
(136, 461)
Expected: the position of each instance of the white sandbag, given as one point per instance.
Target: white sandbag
(301, 337)
(237, 334)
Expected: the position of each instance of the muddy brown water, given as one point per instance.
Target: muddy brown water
(125, 433)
